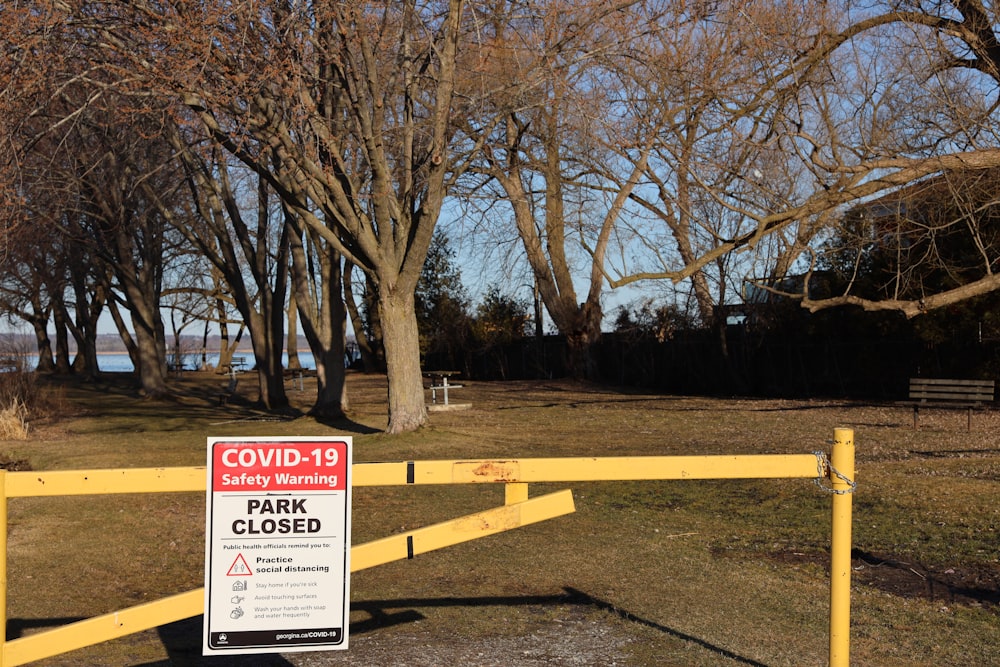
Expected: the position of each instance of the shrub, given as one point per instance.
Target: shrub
(14, 421)
(20, 395)
(17, 382)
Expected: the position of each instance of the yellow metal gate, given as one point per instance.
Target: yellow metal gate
(834, 473)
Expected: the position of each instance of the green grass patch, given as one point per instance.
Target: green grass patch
(643, 573)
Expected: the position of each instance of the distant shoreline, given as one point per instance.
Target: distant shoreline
(110, 343)
(183, 353)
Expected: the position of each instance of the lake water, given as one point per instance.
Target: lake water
(121, 363)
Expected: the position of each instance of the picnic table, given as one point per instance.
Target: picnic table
(298, 375)
(235, 365)
(439, 381)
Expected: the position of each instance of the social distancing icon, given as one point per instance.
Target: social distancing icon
(239, 568)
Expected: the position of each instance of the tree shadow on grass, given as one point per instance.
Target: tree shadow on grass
(16, 627)
(579, 597)
(348, 425)
(183, 639)
(183, 643)
(381, 617)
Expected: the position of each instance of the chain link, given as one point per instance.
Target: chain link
(825, 469)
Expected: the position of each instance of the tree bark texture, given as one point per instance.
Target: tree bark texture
(407, 405)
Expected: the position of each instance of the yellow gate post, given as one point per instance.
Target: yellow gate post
(3, 564)
(841, 474)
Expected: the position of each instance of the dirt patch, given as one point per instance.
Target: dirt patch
(14, 465)
(578, 641)
(961, 584)
(579, 635)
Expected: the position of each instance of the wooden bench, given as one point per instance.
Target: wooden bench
(949, 394)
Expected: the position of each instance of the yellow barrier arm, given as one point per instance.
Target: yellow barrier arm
(456, 531)
(596, 469)
(192, 603)
(109, 481)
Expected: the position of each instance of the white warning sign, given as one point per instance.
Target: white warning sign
(277, 547)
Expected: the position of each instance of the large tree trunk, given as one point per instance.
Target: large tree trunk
(46, 363)
(271, 376)
(407, 407)
(151, 352)
(85, 335)
(581, 340)
(372, 352)
(331, 389)
(317, 283)
(123, 333)
(86, 347)
(89, 300)
(63, 365)
(331, 378)
(267, 335)
(227, 349)
(152, 380)
(292, 340)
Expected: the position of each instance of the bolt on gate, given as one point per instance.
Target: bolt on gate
(834, 474)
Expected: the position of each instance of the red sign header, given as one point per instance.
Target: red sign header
(286, 466)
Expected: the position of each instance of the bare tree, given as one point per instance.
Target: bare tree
(927, 118)
(126, 231)
(364, 320)
(247, 244)
(92, 173)
(789, 114)
(545, 130)
(343, 107)
(714, 163)
(189, 297)
(637, 140)
(31, 270)
(317, 284)
(687, 141)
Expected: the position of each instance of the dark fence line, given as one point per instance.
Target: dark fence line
(765, 365)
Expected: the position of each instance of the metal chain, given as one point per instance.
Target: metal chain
(823, 465)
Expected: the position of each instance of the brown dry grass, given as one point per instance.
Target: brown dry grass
(24, 398)
(644, 573)
(14, 421)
